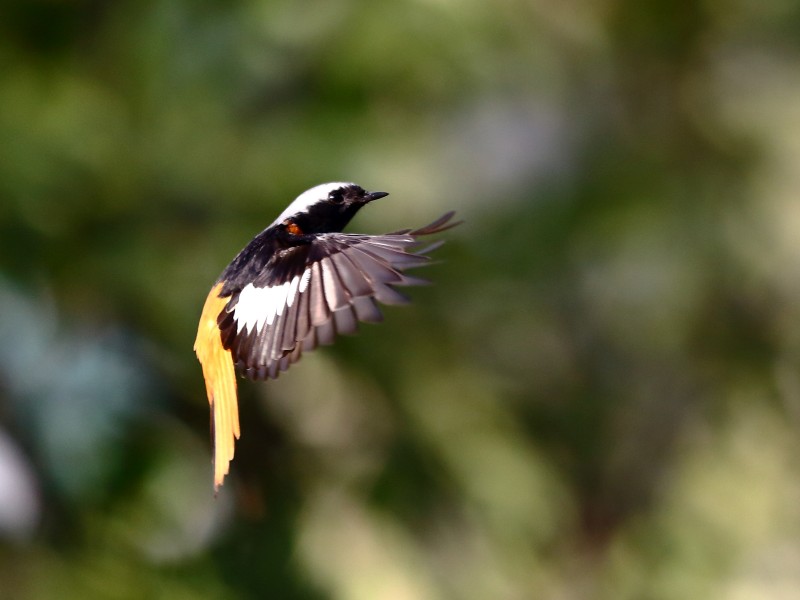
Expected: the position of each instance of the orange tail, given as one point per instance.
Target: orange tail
(220, 381)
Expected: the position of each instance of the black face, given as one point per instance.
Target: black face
(332, 214)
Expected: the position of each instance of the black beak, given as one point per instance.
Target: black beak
(376, 196)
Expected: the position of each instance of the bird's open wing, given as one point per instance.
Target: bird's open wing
(312, 292)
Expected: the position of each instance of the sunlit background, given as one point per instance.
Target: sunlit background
(598, 398)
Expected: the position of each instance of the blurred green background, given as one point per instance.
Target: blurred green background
(598, 398)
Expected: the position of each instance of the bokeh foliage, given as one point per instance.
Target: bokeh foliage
(598, 398)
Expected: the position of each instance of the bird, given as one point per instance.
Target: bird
(295, 286)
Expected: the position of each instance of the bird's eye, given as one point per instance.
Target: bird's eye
(336, 196)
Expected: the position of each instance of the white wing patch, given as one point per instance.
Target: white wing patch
(258, 307)
(292, 291)
(304, 281)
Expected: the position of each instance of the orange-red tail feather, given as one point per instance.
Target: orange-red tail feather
(220, 379)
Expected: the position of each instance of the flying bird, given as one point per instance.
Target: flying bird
(295, 286)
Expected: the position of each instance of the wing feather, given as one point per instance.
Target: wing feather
(353, 279)
(366, 310)
(326, 333)
(337, 285)
(345, 321)
(335, 290)
(303, 317)
(319, 312)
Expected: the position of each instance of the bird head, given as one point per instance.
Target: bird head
(327, 208)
